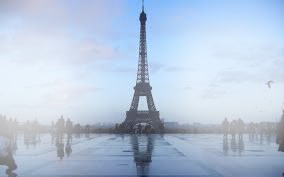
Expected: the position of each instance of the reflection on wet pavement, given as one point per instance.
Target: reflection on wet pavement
(146, 155)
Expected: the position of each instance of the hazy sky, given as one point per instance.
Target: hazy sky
(208, 59)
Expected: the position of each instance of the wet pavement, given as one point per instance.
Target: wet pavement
(153, 155)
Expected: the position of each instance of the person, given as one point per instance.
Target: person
(10, 131)
(69, 127)
(52, 128)
(233, 128)
(256, 132)
(27, 129)
(225, 125)
(6, 157)
(251, 130)
(280, 134)
(241, 128)
(87, 129)
(15, 129)
(139, 128)
(60, 128)
(34, 129)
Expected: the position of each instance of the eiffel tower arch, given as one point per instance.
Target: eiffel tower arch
(142, 88)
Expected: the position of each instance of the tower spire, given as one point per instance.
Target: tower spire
(143, 5)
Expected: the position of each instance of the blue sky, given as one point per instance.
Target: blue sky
(208, 59)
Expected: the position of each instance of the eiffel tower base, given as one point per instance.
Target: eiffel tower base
(149, 117)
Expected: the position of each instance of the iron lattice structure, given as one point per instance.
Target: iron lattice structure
(142, 88)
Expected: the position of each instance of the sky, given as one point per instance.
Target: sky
(207, 59)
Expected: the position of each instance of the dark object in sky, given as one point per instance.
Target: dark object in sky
(269, 83)
(142, 88)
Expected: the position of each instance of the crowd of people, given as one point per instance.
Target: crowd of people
(234, 127)
(139, 129)
(31, 131)
(254, 130)
(58, 129)
(61, 127)
(8, 134)
(8, 127)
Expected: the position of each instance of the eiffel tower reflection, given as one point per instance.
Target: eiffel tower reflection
(142, 146)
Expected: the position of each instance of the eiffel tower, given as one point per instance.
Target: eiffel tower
(143, 88)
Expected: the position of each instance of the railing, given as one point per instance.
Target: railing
(143, 112)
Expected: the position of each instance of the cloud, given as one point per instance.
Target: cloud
(248, 51)
(155, 67)
(177, 69)
(60, 32)
(234, 76)
(213, 93)
(68, 93)
(114, 68)
(254, 65)
(187, 88)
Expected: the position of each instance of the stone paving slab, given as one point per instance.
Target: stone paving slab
(184, 155)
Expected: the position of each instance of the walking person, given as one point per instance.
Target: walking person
(233, 128)
(225, 125)
(241, 128)
(256, 128)
(280, 135)
(69, 127)
(251, 130)
(15, 129)
(60, 126)
(6, 157)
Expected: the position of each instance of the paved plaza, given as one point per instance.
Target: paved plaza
(186, 155)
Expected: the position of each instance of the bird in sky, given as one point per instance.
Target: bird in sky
(269, 83)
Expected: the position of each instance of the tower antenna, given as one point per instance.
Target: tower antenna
(143, 5)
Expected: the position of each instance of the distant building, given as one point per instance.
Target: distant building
(171, 125)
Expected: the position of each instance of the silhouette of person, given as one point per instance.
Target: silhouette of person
(10, 129)
(69, 127)
(27, 130)
(60, 126)
(15, 129)
(251, 130)
(256, 130)
(241, 128)
(233, 127)
(225, 125)
(6, 157)
(139, 128)
(280, 134)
